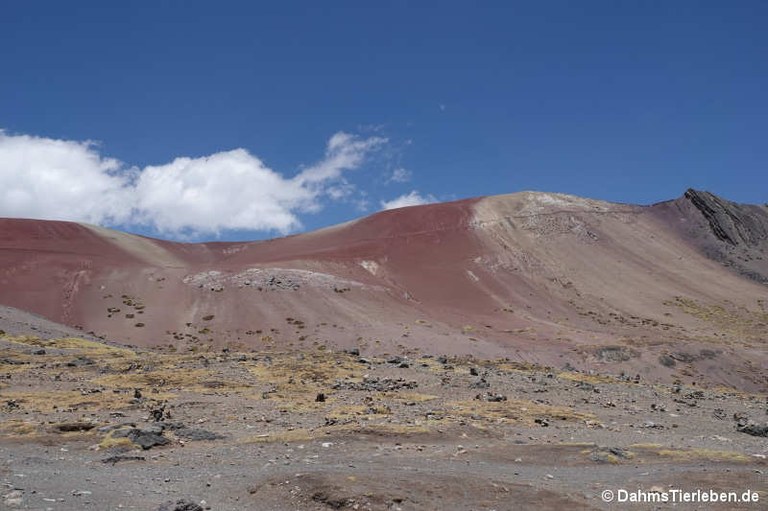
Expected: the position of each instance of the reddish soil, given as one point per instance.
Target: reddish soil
(542, 278)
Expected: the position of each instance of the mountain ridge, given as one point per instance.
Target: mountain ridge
(539, 277)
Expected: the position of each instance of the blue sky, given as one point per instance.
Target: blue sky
(326, 111)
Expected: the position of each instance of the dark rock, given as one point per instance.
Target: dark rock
(154, 428)
(732, 223)
(480, 384)
(667, 361)
(373, 384)
(394, 360)
(696, 394)
(12, 362)
(146, 438)
(442, 359)
(159, 414)
(473, 371)
(353, 351)
(683, 357)
(80, 361)
(320, 398)
(621, 453)
(121, 457)
(754, 429)
(735, 235)
(197, 435)
(491, 397)
(180, 505)
(68, 427)
(39, 352)
(609, 454)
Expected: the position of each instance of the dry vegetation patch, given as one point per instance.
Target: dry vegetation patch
(296, 380)
(514, 411)
(67, 400)
(175, 379)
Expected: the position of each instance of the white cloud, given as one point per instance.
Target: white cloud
(344, 152)
(227, 190)
(400, 175)
(409, 199)
(58, 179)
(70, 180)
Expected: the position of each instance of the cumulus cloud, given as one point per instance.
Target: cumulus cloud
(227, 190)
(409, 199)
(70, 180)
(58, 179)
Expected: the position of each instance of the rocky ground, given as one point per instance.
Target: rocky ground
(92, 425)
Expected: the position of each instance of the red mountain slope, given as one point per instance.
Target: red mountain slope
(674, 290)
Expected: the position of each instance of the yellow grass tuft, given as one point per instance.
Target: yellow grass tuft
(192, 380)
(117, 443)
(514, 411)
(62, 400)
(296, 382)
(704, 454)
(73, 343)
(16, 427)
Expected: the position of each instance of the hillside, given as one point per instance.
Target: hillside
(675, 290)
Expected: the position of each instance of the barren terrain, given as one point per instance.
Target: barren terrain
(527, 351)
(94, 426)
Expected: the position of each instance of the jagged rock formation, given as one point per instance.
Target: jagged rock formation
(735, 224)
(735, 235)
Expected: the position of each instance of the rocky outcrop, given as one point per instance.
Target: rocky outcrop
(735, 235)
(735, 224)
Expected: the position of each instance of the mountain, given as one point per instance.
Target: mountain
(673, 291)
